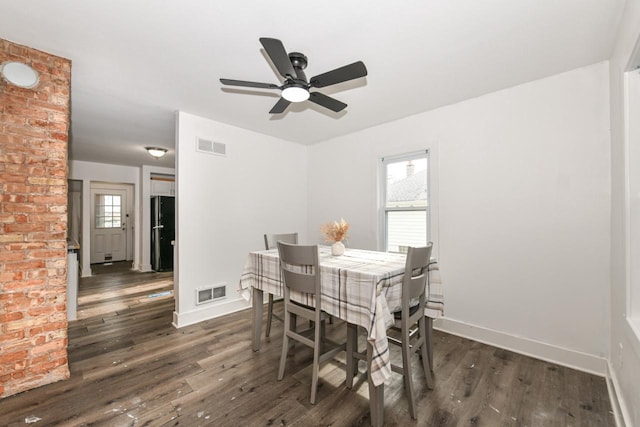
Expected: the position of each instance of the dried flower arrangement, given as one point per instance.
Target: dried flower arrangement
(335, 231)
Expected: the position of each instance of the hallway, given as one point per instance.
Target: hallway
(116, 288)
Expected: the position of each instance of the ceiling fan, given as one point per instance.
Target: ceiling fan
(295, 87)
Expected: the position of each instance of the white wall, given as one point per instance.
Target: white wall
(101, 172)
(524, 204)
(624, 358)
(225, 206)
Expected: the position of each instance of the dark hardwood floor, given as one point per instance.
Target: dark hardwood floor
(131, 367)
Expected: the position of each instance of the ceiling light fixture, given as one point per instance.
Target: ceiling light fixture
(295, 93)
(156, 152)
(19, 74)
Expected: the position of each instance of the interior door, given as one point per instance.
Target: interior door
(108, 225)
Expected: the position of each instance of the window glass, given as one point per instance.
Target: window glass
(108, 214)
(405, 202)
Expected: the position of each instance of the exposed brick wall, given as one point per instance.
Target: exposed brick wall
(34, 126)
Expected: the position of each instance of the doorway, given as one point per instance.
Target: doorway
(111, 222)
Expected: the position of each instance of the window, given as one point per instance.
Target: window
(405, 201)
(633, 198)
(108, 211)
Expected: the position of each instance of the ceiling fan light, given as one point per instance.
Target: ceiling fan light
(156, 152)
(295, 94)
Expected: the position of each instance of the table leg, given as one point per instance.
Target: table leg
(376, 394)
(256, 317)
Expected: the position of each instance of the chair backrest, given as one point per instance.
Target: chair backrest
(270, 240)
(414, 282)
(300, 269)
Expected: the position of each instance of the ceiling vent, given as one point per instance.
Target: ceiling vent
(211, 147)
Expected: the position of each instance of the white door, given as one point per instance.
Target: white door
(108, 225)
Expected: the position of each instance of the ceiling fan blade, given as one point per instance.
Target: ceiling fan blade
(280, 106)
(339, 75)
(276, 51)
(327, 102)
(248, 84)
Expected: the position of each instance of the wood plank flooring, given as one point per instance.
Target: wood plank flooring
(116, 288)
(131, 367)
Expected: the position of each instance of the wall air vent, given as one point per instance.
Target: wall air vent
(211, 147)
(210, 293)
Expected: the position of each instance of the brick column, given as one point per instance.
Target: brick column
(34, 127)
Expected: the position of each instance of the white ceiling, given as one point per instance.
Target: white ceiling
(134, 63)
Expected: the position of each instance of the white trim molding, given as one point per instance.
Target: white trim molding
(211, 311)
(620, 410)
(539, 350)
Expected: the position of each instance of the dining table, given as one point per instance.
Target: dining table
(361, 287)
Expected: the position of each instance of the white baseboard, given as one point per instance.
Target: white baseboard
(210, 311)
(539, 350)
(145, 268)
(620, 409)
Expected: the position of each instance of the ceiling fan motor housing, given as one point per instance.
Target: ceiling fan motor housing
(298, 60)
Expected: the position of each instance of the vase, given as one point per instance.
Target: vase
(337, 248)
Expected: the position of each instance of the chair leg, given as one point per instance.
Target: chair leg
(424, 352)
(317, 346)
(269, 316)
(293, 326)
(406, 372)
(285, 347)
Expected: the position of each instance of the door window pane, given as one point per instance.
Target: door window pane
(108, 213)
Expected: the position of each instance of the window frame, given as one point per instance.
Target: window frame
(631, 81)
(382, 205)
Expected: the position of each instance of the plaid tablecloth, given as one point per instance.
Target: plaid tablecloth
(360, 287)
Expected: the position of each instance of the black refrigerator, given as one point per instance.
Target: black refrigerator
(163, 232)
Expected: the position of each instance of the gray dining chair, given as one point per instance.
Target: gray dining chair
(301, 274)
(270, 242)
(410, 321)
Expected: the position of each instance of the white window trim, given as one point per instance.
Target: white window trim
(433, 173)
(631, 83)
